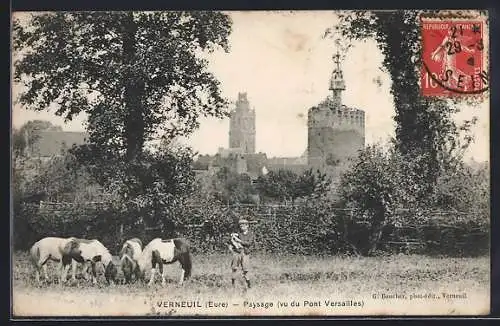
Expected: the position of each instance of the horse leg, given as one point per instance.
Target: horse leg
(60, 269)
(64, 273)
(137, 274)
(37, 275)
(39, 265)
(45, 272)
(73, 270)
(163, 274)
(182, 276)
(85, 270)
(37, 272)
(153, 271)
(94, 273)
(65, 261)
(155, 262)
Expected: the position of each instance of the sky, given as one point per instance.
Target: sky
(284, 64)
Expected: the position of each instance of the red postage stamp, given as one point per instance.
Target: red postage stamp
(453, 57)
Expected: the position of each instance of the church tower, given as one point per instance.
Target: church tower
(242, 126)
(335, 131)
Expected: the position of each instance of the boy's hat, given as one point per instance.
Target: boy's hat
(242, 221)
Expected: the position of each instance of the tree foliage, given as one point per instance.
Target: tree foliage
(376, 185)
(138, 76)
(159, 179)
(285, 185)
(18, 143)
(133, 73)
(382, 182)
(466, 188)
(231, 187)
(60, 179)
(225, 187)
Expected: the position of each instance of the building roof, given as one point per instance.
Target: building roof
(52, 142)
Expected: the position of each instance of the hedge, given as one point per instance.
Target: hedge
(305, 229)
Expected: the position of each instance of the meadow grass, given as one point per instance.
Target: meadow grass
(285, 278)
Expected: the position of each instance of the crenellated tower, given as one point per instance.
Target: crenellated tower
(242, 126)
(335, 131)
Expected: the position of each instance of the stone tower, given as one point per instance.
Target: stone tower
(335, 132)
(242, 126)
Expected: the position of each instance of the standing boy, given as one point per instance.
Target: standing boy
(241, 245)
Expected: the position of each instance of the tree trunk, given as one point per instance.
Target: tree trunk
(134, 92)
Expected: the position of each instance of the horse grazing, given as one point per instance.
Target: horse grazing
(129, 255)
(92, 251)
(55, 249)
(159, 252)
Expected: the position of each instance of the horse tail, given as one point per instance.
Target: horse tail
(184, 256)
(35, 253)
(188, 264)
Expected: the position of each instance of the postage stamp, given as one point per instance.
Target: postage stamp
(241, 164)
(454, 57)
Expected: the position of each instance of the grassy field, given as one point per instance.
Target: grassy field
(400, 285)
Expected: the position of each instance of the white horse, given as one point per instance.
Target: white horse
(92, 251)
(129, 255)
(55, 249)
(159, 252)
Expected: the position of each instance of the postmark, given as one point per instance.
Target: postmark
(454, 57)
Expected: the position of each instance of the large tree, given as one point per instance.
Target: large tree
(135, 74)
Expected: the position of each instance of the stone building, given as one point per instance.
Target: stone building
(242, 126)
(335, 135)
(335, 132)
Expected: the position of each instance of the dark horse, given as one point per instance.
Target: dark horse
(159, 252)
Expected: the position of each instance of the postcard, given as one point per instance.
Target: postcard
(250, 163)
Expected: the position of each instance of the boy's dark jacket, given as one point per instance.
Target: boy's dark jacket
(247, 241)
